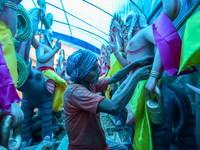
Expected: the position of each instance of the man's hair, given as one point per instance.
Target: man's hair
(80, 63)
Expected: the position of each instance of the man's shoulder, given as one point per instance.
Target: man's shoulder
(74, 88)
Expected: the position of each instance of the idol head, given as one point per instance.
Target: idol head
(48, 38)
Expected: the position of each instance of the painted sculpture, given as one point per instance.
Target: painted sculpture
(37, 90)
(139, 41)
(37, 93)
(105, 60)
(45, 63)
(45, 58)
(60, 67)
(11, 116)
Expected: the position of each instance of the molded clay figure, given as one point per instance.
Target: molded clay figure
(61, 64)
(139, 41)
(45, 63)
(37, 90)
(37, 93)
(11, 116)
(45, 52)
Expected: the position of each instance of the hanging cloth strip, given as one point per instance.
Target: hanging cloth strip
(169, 44)
(60, 83)
(8, 93)
(190, 52)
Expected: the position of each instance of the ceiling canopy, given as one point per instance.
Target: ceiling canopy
(86, 23)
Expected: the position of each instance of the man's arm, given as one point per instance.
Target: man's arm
(117, 104)
(123, 72)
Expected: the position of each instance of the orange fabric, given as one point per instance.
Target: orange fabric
(82, 122)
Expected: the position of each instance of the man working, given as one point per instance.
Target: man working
(82, 106)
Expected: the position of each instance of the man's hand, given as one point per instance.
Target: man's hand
(142, 73)
(58, 44)
(144, 61)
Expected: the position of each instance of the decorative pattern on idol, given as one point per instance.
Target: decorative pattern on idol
(117, 29)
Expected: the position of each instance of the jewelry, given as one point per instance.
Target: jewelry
(24, 23)
(10, 5)
(155, 74)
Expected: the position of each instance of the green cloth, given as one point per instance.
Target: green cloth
(115, 66)
(143, 135)
(190, 51)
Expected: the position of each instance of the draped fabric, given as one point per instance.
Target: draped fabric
(6, 40)
(190, 51)
(143, 135)
(59, 91)
(8, 93)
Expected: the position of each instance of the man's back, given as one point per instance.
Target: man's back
(82, 122)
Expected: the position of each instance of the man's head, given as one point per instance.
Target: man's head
(83, 65)
(48, 37)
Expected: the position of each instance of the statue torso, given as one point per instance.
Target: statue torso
(139, 47)
(49, 63)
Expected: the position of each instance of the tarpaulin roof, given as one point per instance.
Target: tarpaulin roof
(86, 23)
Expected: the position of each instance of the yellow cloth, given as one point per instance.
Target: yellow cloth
(6, 40)
(101, 77)
(115, 66)
(108, 91)
(61, 85)
(143, 136)
(190, 51)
